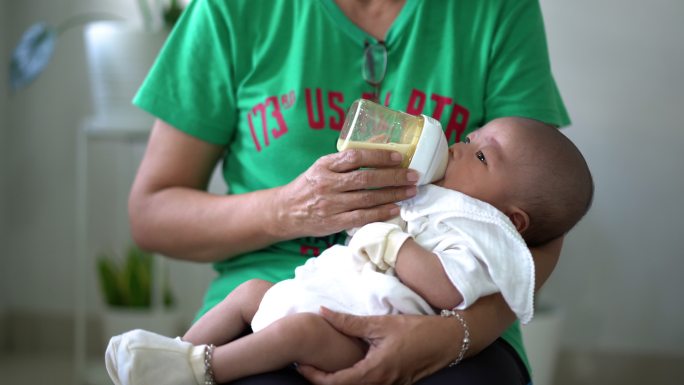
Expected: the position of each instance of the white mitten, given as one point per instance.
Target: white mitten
(379, 242)
(139, 357)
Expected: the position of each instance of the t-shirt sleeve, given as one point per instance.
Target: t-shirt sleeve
(520, 81)
(191, 85)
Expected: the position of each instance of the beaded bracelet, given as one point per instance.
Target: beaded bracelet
(208, 371)
(465, 344)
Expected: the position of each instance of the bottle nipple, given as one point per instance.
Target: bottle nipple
(432, 152)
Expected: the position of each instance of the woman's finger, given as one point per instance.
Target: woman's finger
(376, 178)
(364, 199)
(342, 377)
(351, 325)
(353, 159)
(358, 218)
(313, 375)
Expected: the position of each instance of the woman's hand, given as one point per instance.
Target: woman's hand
(343, 190)
(402, 348)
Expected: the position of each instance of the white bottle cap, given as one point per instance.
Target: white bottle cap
(432, 150)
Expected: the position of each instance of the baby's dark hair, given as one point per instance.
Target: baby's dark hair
(557, 189)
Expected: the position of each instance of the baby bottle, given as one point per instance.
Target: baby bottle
(419, 139)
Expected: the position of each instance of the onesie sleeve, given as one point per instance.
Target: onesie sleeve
(482, 255)
(467, 273)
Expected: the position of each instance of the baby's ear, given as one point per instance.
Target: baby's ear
(520, 219)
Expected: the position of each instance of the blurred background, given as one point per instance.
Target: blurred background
(610, 314)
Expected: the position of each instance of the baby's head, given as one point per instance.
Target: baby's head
(528, 170)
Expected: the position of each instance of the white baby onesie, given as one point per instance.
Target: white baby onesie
(478, 246)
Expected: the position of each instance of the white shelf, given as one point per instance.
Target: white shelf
(95, 373)
(120, 129)
(95, 130)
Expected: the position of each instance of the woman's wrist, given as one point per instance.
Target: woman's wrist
(278, 223)
(465, 341)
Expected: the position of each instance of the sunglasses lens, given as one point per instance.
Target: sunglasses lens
(374, 63)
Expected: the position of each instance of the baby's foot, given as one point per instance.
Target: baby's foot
(140, 357)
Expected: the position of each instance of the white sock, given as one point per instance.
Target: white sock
(140, 357)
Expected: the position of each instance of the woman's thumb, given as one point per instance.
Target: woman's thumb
(348, 324)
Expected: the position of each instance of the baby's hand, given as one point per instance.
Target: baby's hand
(379, 243)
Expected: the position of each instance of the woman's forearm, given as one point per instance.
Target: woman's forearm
(171, 213)
(545, 260)
(194, 225)
(487, 319)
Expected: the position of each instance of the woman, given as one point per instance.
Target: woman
(262, 86)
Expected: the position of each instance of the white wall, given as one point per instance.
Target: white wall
(43, 121)
(619, 67)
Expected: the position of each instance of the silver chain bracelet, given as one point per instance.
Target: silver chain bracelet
(465, 344)
(208, 371)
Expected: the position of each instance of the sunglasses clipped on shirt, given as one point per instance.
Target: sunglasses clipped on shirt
(374, 65)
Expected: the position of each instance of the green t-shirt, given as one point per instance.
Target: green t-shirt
(271, 81)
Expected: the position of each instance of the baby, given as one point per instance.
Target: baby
(508, 186)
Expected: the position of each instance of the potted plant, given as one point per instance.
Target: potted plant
(133, 297)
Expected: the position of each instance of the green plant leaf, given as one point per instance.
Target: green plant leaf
(129, 282)
(138, 276)
(168, 299)
(109, 281)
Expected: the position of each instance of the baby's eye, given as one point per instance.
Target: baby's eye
(466, 140)
(481, 157)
